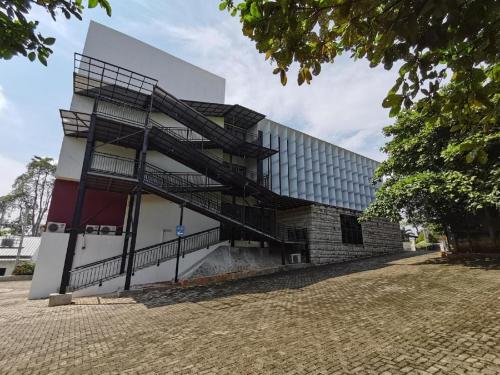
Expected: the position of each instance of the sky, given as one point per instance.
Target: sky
(342, 105)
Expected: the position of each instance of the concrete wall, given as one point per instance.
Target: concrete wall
(49, 265)
(325, 235)
(8, 265)
(233, 259)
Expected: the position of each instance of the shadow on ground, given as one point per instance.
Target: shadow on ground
(476, 263)
(289, 280)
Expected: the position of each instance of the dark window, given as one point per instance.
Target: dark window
(351, 230)
(7, 242)
(2, 271)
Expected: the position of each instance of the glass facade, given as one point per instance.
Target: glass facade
(309, 168)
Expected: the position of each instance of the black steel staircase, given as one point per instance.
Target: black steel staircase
(125, 109)
(183, 189)
(97, 272)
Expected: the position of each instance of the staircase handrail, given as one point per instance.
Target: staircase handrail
(115, 262)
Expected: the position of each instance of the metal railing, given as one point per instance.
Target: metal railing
(115, 165)
(95, 77)
(97, 272)
(182, 137)
(121, 111)
(243, 134)
(186, 186)
(159, 253)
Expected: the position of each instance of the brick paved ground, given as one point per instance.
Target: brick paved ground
(395, 314)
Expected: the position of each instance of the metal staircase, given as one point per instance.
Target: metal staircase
(97, 272)
(183, 189)
(126, 107)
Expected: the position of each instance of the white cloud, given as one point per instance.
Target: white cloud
(342, 105)
(10, 170)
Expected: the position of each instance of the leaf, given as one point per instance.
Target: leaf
(254, 10)
(316, 68)
(268, 54)
(105, 4)
(223, 5)
(300, 78)
(49, 41)
(392, 100)
(283, 77)
(93, 3)
(471, 156)
(42, 59)
(482, 157)
(32, 56)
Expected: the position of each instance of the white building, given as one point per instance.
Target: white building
(11, 248)
(149, 142)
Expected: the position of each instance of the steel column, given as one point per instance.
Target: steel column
(179, 239)
(138, 196)
(77, 213)
(127, 232)
(283, 256)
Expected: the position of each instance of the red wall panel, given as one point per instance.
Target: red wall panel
(100, 207)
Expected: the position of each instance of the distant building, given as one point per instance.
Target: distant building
(151, 153)
(9, 247)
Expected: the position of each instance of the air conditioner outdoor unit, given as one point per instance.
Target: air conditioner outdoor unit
(56, 227)
(295, 258)
(92, 229)
(108, 229)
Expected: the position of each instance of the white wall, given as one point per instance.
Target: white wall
(92, 247)
(69, 166)
(178, 77)
(154, 274)
(8, 265)
(49, 265)
(158, 214)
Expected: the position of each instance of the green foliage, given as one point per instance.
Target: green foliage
(24, 268)
(427, 38)
(431, 237)
(18, 33)
(436, 173)
(423, 245)
(444, 149)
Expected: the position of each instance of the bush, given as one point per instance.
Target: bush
(433, 238)
(422, 245)
(24, 268)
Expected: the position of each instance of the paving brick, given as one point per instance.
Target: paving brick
(396, 314)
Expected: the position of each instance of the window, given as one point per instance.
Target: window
(351, 230)
(7, 242)
(2, 271)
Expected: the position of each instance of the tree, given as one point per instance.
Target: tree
(430, 176)
(6, 204)
(428, 38)
(33, 190)
(18, 34)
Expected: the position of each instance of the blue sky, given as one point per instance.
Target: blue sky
(342, 105)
